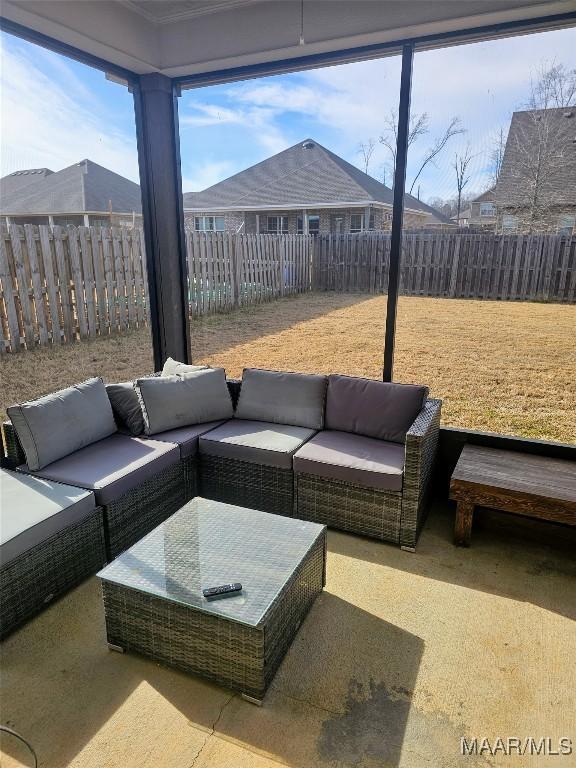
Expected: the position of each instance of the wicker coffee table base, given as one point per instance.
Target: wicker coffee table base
(235, 655)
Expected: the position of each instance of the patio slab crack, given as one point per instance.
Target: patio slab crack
(212, 730)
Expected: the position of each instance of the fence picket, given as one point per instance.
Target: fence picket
(48, 264)
(9, 297)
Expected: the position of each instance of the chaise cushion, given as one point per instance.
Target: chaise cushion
(187, 437)
(257, 442)
(353, 459)
(282, 398)
(113, 466)
(126, 407)
(174, 368)
(170, 402)
(373, 408)
(33, 510)
(62, 422)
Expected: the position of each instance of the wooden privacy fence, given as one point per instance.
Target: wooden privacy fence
(505, 267)
(228, 270)
(59, 285)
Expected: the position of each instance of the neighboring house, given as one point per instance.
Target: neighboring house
(536, 189)
(305, 188)
(84, 194)
(480, 213)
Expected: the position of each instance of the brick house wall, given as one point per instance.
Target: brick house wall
(329, 217)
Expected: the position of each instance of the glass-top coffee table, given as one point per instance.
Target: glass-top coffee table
(153, 598)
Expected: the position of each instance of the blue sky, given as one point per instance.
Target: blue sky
(55, 112)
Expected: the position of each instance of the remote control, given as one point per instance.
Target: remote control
(226, 590)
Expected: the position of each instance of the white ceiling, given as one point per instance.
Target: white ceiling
(169, 11)
(180, 37)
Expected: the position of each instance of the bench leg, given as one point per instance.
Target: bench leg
(463, 525)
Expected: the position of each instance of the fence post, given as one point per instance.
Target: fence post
(234, 270)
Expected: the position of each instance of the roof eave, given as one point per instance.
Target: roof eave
(297, 207)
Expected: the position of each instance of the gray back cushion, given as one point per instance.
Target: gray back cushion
(192, 398)
(63, 422)
(373, 408)
(282, 398)
(126, 406)
(174, 368)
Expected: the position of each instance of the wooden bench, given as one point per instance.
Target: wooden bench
(532, 486)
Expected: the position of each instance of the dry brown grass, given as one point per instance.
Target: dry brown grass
(502, 367)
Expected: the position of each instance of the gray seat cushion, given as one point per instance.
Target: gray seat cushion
(373, 408)
(258, 442)
(187, 437)
(282, 398)
(126, 407)
(353, 459)
(62, 422)
(113, 466)
(33, 510)
(170, 402)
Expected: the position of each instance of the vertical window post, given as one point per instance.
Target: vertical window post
(398, 208)
(156, 110)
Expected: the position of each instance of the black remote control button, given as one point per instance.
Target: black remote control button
(225, 590)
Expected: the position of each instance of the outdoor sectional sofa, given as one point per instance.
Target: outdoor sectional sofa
(351, 453)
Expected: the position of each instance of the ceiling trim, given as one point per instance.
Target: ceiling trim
(210, 8)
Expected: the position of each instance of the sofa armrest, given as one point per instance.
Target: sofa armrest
(420, 455)
(12, 448)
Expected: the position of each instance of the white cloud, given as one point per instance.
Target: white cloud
(258, 119)
(55, 121)
(207, 174)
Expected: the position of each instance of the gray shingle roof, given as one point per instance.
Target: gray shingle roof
(15, 182)
(552, 134)
(306, 175)
(84, 186)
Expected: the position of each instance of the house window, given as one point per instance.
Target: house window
(99, 221)
(70, 221)
(566, 223)
(357, 222)
(277, 225)
(313, 225)
(209, 223)
(487, 209)
(509, 223)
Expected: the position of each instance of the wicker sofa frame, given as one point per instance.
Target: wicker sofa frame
(387, 515)
(45, 572)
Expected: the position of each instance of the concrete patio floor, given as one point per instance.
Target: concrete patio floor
(400, 657)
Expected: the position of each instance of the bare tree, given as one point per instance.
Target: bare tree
(552, 85)
(385, 172)
(419, 126)
(496, 157)
(460, 165)
(366, 149)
